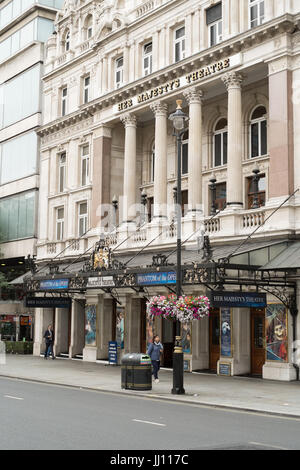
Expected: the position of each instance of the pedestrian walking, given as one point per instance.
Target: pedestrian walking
(49, 339)
(154, 351)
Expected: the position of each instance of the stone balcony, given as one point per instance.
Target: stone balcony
(227, 225)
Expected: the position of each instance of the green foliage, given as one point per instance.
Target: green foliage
(18, 347)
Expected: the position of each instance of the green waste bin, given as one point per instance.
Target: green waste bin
(136, 372)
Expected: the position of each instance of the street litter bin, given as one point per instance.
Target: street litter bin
(136, 372)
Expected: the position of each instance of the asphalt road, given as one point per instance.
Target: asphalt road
(38, 417)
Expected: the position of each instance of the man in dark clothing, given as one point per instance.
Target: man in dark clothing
(49, 339)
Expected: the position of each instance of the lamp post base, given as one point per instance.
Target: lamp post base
(178, 374)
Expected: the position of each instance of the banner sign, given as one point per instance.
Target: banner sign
(277, 333)
(54, 284)
(237, 299)
(155, 279)
(48, 302)
(100, 281)
(112, 352)
(226, 332)
(90, 325)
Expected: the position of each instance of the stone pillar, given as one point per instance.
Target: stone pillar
(193, 98)
(77, 329)
(43, 196)
(90, 350)
(126, 64)
(233, 81)
(240, 360)
(42, 318)
(281, 123)
(101, 174)
(235, 17)
(104, 77)
(129, 188)
(269, 10)
(160, 173)
(132, 324)
(155, 49)
(105, 315)
(61, 334)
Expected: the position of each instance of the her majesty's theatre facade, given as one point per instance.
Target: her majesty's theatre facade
(108, 180)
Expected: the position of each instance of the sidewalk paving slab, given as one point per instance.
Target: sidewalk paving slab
(236, 393)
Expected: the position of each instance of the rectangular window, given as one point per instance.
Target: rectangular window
(256, 191)
(214, 23)
(60, 220)
(119, 72)
(257, 12)
(215, 33)
(220, 201)
(82, 218)
(20, 96)
(64, 95)
(147, 59)
(18, 157)
(17, 216)
(179, 44)
(62, 172)
(85, 165)
(86, 89)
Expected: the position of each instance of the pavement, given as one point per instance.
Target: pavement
(238, 393)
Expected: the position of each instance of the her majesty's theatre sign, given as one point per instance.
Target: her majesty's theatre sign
(181, 82)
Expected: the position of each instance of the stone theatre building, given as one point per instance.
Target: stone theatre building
(113, 73)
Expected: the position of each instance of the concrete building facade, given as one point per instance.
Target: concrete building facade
(113, 73)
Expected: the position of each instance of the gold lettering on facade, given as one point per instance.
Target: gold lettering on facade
(170, 86)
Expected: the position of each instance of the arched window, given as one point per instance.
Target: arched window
(152, 162)
(67, 41)
(258, 132)
(88, 27)
(220, 143)
(185, 153)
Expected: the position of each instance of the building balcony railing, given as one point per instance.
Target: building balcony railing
(158, 236)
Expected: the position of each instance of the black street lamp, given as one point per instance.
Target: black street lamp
(213, 188)
(179, 118)
(255, 181)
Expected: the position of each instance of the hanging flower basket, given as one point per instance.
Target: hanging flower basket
(185, 309)
(191, 308)
(161, 307)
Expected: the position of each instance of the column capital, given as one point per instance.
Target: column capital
(233, 80)
(129, 120)
(159, 109)
(193, 96)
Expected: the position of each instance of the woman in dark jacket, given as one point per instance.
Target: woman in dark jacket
(154, 351)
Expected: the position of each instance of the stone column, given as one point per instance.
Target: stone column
(235, 17)
(101, 162)
(77, 329)
(269, 10)
(281, 124)
(126, 57)
(129, 188)
(233, 82)
(193, 98)
(104, 77)
(160, 111)
(42, 318)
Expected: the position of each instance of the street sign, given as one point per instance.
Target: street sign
(112, 353)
